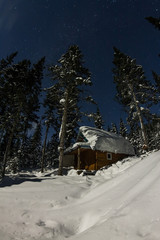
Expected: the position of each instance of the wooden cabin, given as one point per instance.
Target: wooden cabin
(97, 148)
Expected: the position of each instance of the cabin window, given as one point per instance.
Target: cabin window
(109, 156)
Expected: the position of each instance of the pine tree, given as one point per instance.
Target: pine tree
(52, 118)
(154, 21)
(153, 129)
(35, 147)
(157, 81)
(98, 120)
(52, 153)
(135, 139)
(71, 77)
(47, 124)
(24, 152)
(21, 85)
(4, 95)
(122, 129)
(134, 92)
(114, 128)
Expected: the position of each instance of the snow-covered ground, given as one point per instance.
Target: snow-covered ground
(122, 202)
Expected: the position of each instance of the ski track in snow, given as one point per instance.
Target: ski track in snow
(121, 207)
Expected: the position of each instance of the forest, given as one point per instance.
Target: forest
(23, 144)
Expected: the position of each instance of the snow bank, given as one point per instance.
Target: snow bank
(117, 168)
(119, 203)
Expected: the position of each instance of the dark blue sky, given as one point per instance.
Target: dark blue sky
(37, 28)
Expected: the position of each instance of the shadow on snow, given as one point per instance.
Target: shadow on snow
(8, 181)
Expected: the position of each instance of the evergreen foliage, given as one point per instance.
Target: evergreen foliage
(51, 158)
(24, 152)
(35, 147)
(157, 81)
(134, 91)
(122, 129)
(135, 139)
(70, 78)
(153, 129)
(20, 86)
(98, 120)
(114, 128)
(154, 21)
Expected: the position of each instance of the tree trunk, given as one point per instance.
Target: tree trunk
(44, 148)
(144, 135)
(79, 158)
(63, 134)
(2, 133)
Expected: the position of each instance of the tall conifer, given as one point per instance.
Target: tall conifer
(21, 85)
(98, 120)
(134, 91)
(70, 78)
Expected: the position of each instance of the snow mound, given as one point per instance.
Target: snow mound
(72, 172)
(117, 168)
(119, 203)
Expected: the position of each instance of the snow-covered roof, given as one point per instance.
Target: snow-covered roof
(104, 141)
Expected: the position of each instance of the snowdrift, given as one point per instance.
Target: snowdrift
(121, 202)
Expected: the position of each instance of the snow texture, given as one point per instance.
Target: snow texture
(62, 101)
(104, 141)
(118, 203)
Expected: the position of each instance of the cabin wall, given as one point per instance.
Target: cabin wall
(94, 160)
(91, 160)
(68, 160)
(88, 159)
(102, 158)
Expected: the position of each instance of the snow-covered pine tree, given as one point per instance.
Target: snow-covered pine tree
(72, 125)
(47, 125)
(51, 120)
(98, 120)
(114, 128)
(13, 164)
(153, 129)
(134, 91)
(4, 64)
(20, 87)
(157, 81)
(135, 139)
(71, 77)
(122, 129)
(35, 149)
(23, 153)
(156, 23)
(51, 157)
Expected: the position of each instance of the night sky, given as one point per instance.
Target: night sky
(37, 28)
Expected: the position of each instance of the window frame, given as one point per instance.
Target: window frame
(109, 156)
